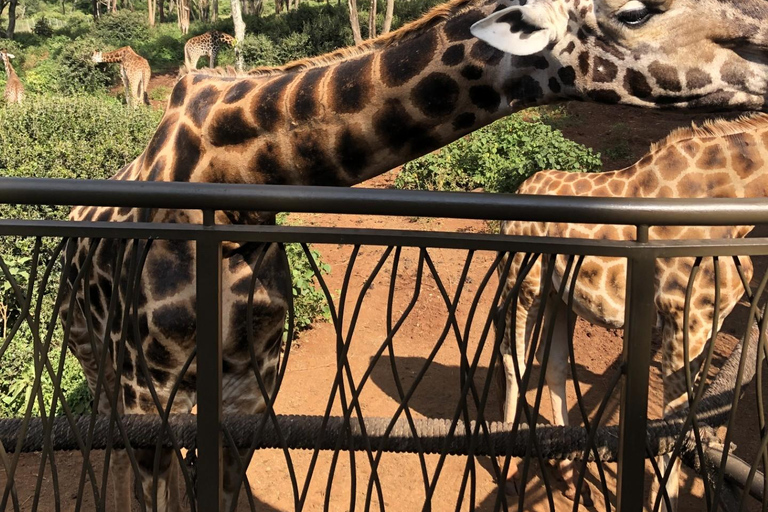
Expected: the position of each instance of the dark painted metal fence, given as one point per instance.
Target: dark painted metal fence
(36, 448)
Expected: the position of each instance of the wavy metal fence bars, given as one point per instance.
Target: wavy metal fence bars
(56, 453)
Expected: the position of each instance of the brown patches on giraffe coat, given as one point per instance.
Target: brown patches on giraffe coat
(266, 105)
(457, 28)
(351, 85)
(690, 148)
(198, 108)
(352, 150)
(404, 61)
(637, 85)
(617, 187)
(179, 93)
(305, 102)
(160, 138)
(238, 91)
(695, 78)
(670, 163)
(648, 182)
(454, 55)
(719, 184)
(188, 151)
(268, 163)
(176, 323)
(711, 158)
(229, 127)
(690, 186)
(604, 71)
(398, 129)
(485, 53)
(745, 154)
(436, 95)
(666, 76)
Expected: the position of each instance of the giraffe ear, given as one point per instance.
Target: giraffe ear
(519, 30)
(11, 56)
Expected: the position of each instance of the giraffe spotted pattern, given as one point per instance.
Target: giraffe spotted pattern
(347, 116)
(719, 160)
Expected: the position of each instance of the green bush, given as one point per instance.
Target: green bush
(43, 28)
(77, 73)
(55, 137)
(122, 28)
(259, 50)
(498, 158)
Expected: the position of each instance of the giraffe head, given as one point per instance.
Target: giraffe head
(707, 54)
(97, 56)
(6, 56)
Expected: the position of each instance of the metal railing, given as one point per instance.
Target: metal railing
(212, 435)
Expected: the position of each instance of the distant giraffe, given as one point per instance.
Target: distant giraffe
(342, 118)
(207, 44)
(719, 159)
(134, 70)
(14, 89)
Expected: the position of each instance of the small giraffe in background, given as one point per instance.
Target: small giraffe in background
(206, 44)
(721, 159)
(14, 89)
(134, 70)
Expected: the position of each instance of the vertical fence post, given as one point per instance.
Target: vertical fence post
(633, 421)
(209, 413)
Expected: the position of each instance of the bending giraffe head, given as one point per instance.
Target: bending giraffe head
(697, 54)
(5, 56)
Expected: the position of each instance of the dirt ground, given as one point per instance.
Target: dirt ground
(622, 135)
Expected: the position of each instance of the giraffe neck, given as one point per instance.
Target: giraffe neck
(114, 56)
(345, 120)
(9, 69)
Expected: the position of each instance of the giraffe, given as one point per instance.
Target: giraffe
(722, 159)
(349, 115)
(134, 70)
(14, 89)
(206, 44)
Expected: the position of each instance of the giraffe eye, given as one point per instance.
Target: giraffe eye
(634, 14)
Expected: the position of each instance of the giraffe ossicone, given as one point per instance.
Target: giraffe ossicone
(352, 114)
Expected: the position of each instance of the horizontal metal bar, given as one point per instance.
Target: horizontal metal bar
(466, 205)
(384, 237)
(737, 472)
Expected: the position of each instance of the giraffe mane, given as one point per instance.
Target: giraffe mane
(434, 16)
(713, 128)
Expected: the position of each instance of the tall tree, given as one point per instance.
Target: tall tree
(214, 10)
(354, 21)
(372, 20)
(388, 17)
(11, 19)
(161, 10)
(237, 19)
(183, 13)
(151, 8)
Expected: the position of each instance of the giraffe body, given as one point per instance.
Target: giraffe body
(14, 89)
(344, 117)
(134, 71)
(719, 160)
(207, 45)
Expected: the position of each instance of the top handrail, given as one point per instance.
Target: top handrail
(361, 201)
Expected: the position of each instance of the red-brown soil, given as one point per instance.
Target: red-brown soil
(312, 364)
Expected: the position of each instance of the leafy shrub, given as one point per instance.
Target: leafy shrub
(122, 28)
(77, 73)
(43, 28)
(497, 158)
(259, 50)
(76, 25)
(293, 47)
(57, 137)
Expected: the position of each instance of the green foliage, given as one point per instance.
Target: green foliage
(56, 137)
(76, 73)
(122, 28)
(309, 301)
(43, 28)
(259, 50)
(497, 158)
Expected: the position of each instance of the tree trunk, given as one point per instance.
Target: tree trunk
(388, 17)
(95, 5)
(183, 12)
(372, 20)
(161, 11)
(215, 10)
(237, 19)
(354, 21)
(11, 19)
(151, 8)
(204, 11)
(277, 6)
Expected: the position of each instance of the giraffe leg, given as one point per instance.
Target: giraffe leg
(556, 374)
(212, 57)
(525, 320)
